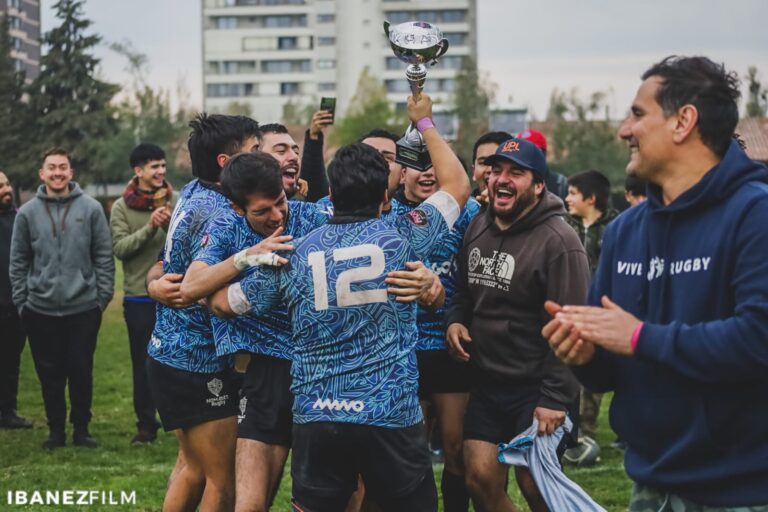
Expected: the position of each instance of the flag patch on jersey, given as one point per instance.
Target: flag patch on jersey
(418, 217)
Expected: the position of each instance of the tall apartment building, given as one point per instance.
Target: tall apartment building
(24, 29)
(265, 53)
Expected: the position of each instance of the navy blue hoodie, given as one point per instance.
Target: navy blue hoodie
(692, 403)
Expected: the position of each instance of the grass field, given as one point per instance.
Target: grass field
(116, 466)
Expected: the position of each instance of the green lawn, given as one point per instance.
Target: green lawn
(116, 466)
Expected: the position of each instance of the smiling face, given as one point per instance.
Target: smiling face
(511, 190)
(151, 175)
(480, 170)
(418, 185)
(648, 131)
(266, 214)
(577, 205)
(56, 173)
(286, 152)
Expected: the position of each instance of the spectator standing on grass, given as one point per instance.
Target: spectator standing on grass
(139, 223)
(678, 322)
(556, 182)
(63, 275)
(635, 189)
(12, 341)
(588, 197)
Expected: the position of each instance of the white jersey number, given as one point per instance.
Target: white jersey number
(344, 294)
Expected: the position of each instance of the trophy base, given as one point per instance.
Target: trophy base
(411, 156)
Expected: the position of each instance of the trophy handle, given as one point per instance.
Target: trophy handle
(443, 44)
(386, 28)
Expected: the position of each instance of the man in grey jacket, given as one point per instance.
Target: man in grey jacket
(62, 277)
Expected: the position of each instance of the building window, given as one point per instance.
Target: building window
(286, 66)
(15, 4)
(456, 38)
(226, 22)
(453, 16)
(299, 20)
(289, 88)
(450, 62)
(18, 65)
(397, 86)
(326, 18)
(326, 41)
(14, 22)
(229, 90)
(326, 86)
(436, 16)
(15, 43)
(277, 43)
(326, 64)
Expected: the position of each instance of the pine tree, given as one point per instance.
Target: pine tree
(70, 105)
(472, 98)
(13, 113)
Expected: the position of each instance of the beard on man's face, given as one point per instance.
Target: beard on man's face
(523, 200)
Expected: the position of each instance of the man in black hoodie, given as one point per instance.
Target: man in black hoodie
(516, 255)
(12, 343)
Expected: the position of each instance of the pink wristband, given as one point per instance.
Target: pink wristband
(424, 123)
(636, 336)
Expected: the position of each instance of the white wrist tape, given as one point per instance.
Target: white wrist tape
(244, 260)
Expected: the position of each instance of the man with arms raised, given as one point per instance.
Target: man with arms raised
(354, 372)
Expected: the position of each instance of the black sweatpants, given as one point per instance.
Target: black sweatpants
(11, 345)
(62, 349)
(140, 319)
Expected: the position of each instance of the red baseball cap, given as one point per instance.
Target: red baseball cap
(534, 136)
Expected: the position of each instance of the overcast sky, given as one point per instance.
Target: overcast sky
(527, 47)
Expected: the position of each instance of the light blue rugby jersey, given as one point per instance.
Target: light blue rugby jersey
(354, 359)
(183, 338)
(442, 261)
(266, 334)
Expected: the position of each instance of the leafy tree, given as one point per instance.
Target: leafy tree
(13, 112)
(144, 114)
(471, 104)
(70, 105)
(584, 137)
(296, 114)
(757, 99)
(368, 109)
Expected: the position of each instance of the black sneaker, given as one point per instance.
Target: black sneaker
(55, 440)
(10, 419)
(143, 438)
(83, 438)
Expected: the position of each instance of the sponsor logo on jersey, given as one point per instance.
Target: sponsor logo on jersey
(418, 217)
(339, 405)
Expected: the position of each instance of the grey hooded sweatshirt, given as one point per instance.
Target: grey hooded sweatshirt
(61, 254)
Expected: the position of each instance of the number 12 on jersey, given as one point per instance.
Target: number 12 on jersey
(344, 294)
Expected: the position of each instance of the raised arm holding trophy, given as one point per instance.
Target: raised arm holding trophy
(415, 43)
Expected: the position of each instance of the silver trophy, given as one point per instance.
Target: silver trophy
(416, 43)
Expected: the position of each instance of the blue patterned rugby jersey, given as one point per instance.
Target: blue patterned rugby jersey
(354, 359)
(267, 334)
(442, 261)
(183, 338)
(396, 208)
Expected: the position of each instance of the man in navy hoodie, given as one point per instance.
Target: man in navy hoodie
(678, 327)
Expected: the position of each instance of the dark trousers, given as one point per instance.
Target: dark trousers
(62, 348)
(140, 319)
(11, 345)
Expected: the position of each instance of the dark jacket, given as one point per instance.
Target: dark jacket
(503, 279)
(6, 229)
(592, 237)
(313, 168)
(692, 404)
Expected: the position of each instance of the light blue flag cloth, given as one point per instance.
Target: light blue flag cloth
(539, 454)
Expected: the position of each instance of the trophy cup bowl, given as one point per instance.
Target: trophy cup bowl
(415, 43)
